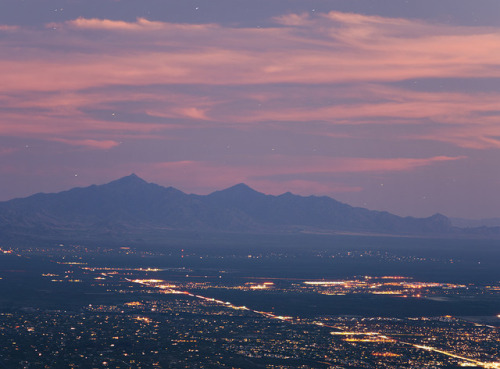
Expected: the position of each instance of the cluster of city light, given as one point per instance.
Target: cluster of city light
(158, 283)
(387, 285)
(143, 319)
(261, 286)
(386, 354)
(70, 263)
(451, 354)
(325, 283)
(369, 337)
(133, 303)
(95, 269)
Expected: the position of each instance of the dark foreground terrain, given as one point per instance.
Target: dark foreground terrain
(305, 301)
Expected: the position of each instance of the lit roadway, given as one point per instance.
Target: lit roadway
(374, 335)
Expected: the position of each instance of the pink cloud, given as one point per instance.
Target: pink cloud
(94, 144)
(141, 24)
(370, 101)
(7, 28)
(294, 20)
(71, 73)
(112, 25)
(336, 47)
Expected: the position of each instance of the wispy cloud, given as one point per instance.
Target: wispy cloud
(96, 144)
(6, 28)
(91, 83)
(329, 48)
(112, 25)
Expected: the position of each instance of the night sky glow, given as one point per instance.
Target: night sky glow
(391, 105)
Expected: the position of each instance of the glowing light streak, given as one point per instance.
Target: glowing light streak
(374, 337)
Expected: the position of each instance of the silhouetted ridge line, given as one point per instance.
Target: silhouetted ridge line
(130, 205)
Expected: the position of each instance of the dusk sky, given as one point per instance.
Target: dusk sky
(389, 104)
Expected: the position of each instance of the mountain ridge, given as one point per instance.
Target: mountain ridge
(131, 205)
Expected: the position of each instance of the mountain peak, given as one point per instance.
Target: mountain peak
(239, 190)
(241, 187)
(131, 179)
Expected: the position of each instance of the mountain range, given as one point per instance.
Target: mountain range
(132, 206)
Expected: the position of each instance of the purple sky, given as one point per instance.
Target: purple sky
(390, 105)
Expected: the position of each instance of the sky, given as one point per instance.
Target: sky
(390, 105)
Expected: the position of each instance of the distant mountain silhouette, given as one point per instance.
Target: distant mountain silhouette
(475, 223)
(131, 205)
